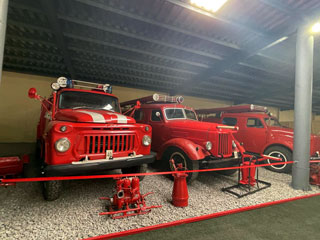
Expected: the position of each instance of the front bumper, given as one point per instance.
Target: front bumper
(88, 168)
(219, 163)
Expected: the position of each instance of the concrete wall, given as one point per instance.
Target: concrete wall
(287, 119)
(19, 114)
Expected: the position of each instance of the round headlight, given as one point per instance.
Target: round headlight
(208, 145)
(63, 128)
(146, 140)
(62, 145)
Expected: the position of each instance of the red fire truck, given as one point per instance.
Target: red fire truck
(82, 131)
(259, 131)
(178, 135)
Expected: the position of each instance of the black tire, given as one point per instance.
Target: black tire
(180, 157)
(281, 152)
(51, 190)
(136, 169)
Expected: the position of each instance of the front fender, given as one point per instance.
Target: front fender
(287, 144)
(194, 151)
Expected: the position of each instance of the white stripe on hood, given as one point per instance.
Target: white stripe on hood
(121, 118)
(96, 117)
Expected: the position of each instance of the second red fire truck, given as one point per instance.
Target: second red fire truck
(178, 135)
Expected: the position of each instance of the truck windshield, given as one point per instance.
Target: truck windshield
(272, 122)
(190, 114)
(180, 113)
(87, 100)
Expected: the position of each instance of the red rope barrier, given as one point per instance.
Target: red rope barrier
(62, 178)
(197, 219)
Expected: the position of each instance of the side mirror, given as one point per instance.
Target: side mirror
(32, 93)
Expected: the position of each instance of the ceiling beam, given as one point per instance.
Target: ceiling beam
(254, 47)
(8, 66)
(276, 4)
(146, 80)
(33, 60)
(101, 66)
(95, 53)
(135, 50)
(141, 38)
(50, 9)
(150, 21)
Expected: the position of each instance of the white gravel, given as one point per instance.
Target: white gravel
(25, 215)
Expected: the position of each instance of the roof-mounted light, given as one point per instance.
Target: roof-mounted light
(315, 28)
(209, 5)
(63, 82)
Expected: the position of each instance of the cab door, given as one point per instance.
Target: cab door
(254, 134)
(156, 120)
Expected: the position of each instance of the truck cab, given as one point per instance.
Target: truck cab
(260, 132)
(82, 131)
(179, 135)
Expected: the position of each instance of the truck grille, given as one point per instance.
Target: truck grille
(96, 144)
(224, 146)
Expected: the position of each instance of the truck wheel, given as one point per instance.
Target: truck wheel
(136, 169)
(180, 157)
(280, 152)
(51, 190)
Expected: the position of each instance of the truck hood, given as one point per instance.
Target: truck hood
(192, 124)
(92, 116)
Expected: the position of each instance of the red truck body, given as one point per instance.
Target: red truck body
(83, 131)
(177, 133)
(259, 132)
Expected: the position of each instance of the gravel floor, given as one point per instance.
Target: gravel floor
(25, 215)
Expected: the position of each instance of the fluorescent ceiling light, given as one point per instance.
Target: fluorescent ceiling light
(209, 5)
(315, 28)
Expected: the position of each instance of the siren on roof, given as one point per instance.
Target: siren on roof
(167, 99)
(155, 98)
(63, 82)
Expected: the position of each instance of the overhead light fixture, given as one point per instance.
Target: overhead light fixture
(315, 28)
(209, 5)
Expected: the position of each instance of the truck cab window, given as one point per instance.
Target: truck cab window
(254, 122)
(229, 121)
(138, 115)
(156, 115)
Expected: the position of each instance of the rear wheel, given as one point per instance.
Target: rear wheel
(180, 157)
(136, 169)
(279, 152)
(51, 190)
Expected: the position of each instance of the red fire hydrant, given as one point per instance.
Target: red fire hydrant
(180, 194)
(249, 173)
